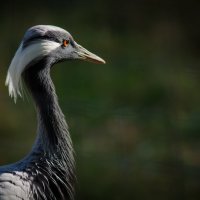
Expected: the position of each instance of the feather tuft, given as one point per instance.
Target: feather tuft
(22, 58)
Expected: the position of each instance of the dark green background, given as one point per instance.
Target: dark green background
(135, 122)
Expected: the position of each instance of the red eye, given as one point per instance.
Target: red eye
(65, 43)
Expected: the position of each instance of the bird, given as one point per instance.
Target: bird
(47, 172)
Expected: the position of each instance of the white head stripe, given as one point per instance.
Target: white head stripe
(21, 59)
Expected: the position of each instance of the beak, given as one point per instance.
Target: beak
(84, 54)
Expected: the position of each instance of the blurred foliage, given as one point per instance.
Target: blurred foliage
(135, 122)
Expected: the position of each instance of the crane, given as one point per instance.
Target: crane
(48, 171)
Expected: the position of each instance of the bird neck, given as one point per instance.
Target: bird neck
(53, 135)
(53, 146)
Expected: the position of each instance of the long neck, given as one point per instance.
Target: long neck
(53, 135)
(53, 144)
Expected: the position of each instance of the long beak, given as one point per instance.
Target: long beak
(84, 54)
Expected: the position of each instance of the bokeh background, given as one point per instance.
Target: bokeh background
(135, 122)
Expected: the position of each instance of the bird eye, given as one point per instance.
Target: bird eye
(65, 43)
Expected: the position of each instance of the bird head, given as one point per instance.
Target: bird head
(44, 41)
